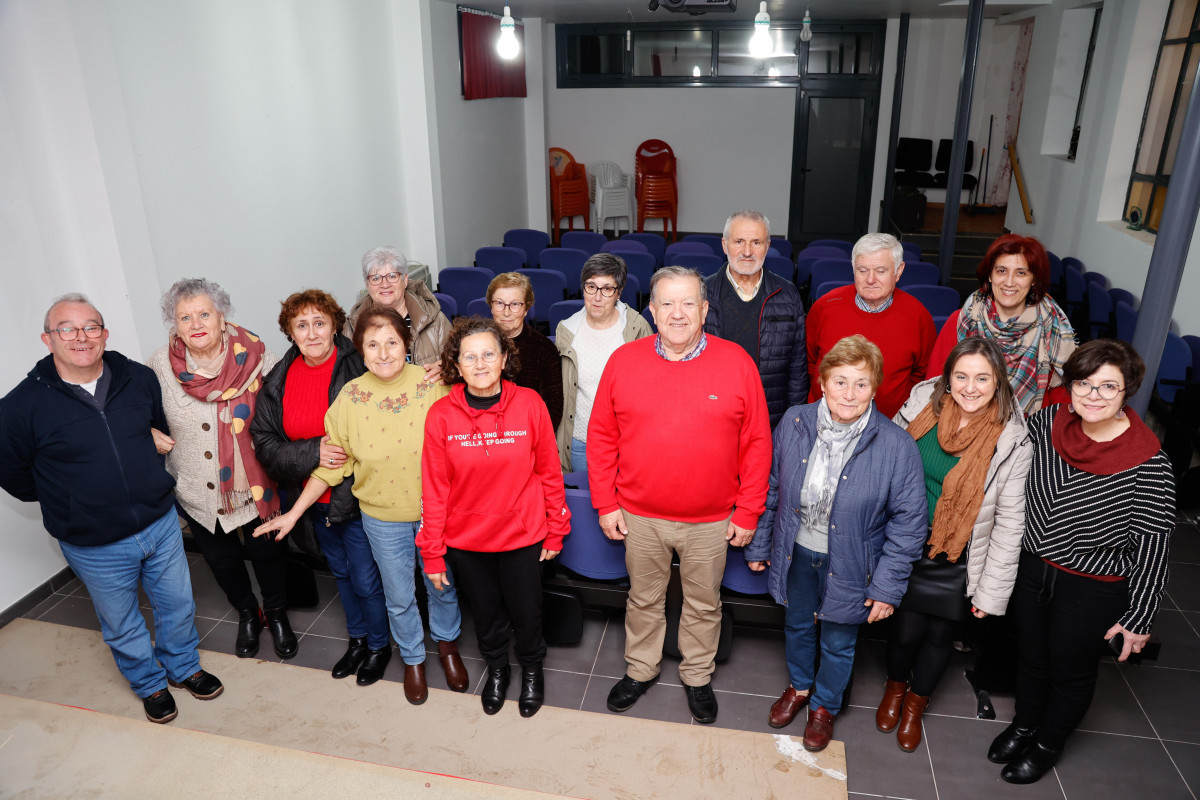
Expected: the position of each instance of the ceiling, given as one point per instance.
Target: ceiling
(567, 11)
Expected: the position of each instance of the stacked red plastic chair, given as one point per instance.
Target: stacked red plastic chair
(657, 192)
(568, 191)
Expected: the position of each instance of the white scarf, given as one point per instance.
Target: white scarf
(825, 463)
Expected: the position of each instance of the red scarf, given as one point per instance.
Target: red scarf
(1134, 447)
(234, 390)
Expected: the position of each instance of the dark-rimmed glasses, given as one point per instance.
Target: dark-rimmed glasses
(1107, 391)
(72, 334)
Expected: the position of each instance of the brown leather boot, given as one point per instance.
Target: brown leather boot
(908, 735)
(416, 691)
(889, 707)
(452, 665)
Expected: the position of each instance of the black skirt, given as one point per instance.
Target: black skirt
(938, 587)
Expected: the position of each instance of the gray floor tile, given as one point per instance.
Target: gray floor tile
(755, 665)
(315, 652)
(75, 587)
(1180, 640)
(1185, 545)
(958, 749)
(75, 611)
(1187, 761)
(1114, 709)
(1171, 698)
(331, 622)
(41, 608)
(1099, 765)
(210, 600)
(303, 618)
(1184, 586)
(662, 702)
(874, 764)
(580, 657)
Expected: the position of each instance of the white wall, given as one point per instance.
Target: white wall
(1077, 205)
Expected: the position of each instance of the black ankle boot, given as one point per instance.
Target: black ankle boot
(374, 665)
(286, 644)
(1011, 743)
(533, 690)
(495, 688)
(250, 625)
(356, 653)
(1035, 762)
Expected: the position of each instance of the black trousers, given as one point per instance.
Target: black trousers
(1060, 620)
(503, 589)
(920, 646)
(226, 556)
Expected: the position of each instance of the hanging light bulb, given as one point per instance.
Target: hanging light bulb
(806, 30)
(761, 43)
(508, 47)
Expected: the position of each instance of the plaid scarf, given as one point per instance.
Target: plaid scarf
(234, 389)
(1037, 341)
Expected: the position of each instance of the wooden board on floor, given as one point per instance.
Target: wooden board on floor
(558, 751)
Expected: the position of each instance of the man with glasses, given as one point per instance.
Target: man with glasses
(79, 436)
(893, 319)
(385, 273)
(760, 311)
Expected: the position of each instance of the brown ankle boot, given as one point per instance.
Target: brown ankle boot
(889, 707)
(908, 735)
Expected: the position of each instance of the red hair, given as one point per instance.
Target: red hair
(1027, 247)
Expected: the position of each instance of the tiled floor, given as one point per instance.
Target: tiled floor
(1140, 738)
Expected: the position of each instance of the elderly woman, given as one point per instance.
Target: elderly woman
(975, 450)
(494, 503)
(1100, 509)
(845, 519)
(511, 297)
(289, 438)
(210, 372)
(1012, 307)
(378, 420)
(585, 340)
(385, 273)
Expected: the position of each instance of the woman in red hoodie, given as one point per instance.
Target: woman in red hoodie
(494, 505)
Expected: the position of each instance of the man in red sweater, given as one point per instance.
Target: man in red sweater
(892, 319)
(679, 454)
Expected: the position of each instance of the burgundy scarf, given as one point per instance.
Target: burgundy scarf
(1134, 447)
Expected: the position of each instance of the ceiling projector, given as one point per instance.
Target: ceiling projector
(694, 7)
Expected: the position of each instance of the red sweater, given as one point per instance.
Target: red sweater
(904, 332)
(680, 440)
(305, 401)
(490, 480)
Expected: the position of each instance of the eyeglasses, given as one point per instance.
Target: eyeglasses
(605, 291)
(499, 306)
(1107, 391)
(390, 277)
(71, 334)
(469, 360)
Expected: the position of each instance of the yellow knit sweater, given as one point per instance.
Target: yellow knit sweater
(381, 426)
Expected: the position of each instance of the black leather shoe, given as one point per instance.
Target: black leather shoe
(627, 691)
(286, 644)
(1011, 743)
(374, 665)
(160, 707)
(702, 703)
(349, 663)
(533, 690)
(495, 688)
(203, 685)
(1035, 762)
(250, 625)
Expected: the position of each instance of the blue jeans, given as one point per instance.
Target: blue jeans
(353, 566)
(111, 573)
(578, 456)
(395, 547)
(805, 589)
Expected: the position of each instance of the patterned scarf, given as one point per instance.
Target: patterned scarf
(825, 463)
(234, 389)
(962, 488)
(1034, 343)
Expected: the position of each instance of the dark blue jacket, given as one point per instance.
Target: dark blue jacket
(782, 357)
(877, 525)
(96, 473)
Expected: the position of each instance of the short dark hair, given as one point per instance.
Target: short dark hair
(381, 317)
(296, 302)
(1027, 247)
(608, 264)
(469, 326)
(1006, 404)
(1091, 356)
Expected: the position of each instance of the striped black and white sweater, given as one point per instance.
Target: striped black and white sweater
(1102, 524)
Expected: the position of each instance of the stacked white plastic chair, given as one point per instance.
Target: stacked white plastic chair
(611, 194)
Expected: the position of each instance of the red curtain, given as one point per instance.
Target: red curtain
(484, 73)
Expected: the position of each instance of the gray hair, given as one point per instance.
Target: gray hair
(668, 273)
(384, 257)
(873, 243)
(69, 297)
(193, 287)
(604, 264)
(749, 216)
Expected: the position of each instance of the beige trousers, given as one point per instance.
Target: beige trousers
(648, 546)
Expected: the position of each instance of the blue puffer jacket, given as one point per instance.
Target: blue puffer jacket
(877, 525)
(782, 355)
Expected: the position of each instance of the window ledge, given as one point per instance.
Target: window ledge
(1122, 227)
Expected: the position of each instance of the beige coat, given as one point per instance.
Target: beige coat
(633, 326)
(996, 538)
(430, 328)
(193, 461)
